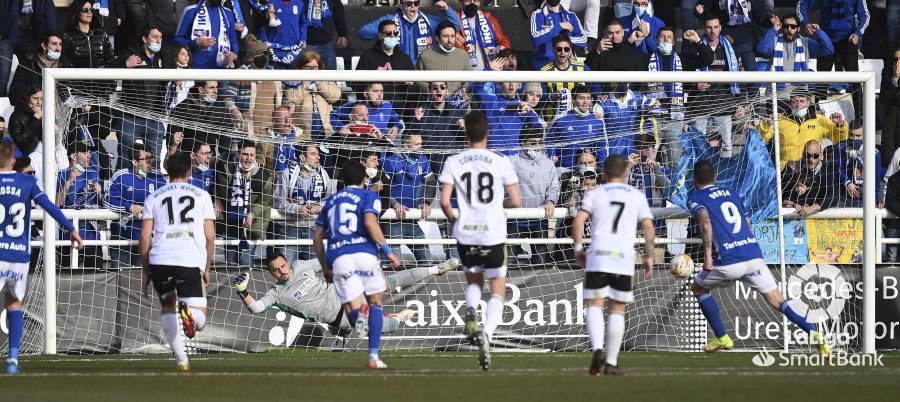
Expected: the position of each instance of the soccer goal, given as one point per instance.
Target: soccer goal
(270, 145)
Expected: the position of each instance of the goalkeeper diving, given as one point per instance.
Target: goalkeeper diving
(300, 292)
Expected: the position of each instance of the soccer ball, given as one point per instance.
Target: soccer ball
(681, 266)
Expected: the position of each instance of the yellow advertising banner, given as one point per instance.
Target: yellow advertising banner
(835, 241)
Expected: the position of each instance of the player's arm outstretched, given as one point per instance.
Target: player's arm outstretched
(240, 286)
(649, 245)
(59, 217)
(706, 234)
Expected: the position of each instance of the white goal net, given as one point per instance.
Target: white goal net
(269, 146)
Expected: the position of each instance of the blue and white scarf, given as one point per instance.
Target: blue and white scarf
(422, 35)
(203, 27)
(28, 7)
(486, 36)
(316, 11)
(729, 54)
(636, 23)
(284, 150)
(102, 7)
(670, 89)
(800, 63)
(738, 11)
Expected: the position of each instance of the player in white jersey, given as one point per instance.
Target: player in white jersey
(480, 178)
(615, 209)
(176, 251)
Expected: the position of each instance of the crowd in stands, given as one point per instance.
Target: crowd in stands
(260, 146)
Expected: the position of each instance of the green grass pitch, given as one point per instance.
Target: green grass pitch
(304, 375)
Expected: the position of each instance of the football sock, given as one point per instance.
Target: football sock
(352, 316)
(408, 277)
(711, 311)
(615, 331)
(390, 325)
(595, 327)
(796, 318)
(16, 322)
(493, 315)
(473, 295)
(376, 322)
(199, 318)
(169, 322)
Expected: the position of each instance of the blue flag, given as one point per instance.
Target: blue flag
(750, 173)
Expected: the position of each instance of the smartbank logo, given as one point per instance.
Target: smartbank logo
(837, 359)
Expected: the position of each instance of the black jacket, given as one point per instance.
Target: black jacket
(826, 187)
(109, 23)
(29, 73)
(337, 22)
(24, 130)
(889, 94)
(892, 201)
(398, 92)
(88, 50)
(206, 122)
(148, 95)
(626, 57)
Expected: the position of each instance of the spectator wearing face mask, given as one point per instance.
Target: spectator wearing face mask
(539, 187)
(209, 30)
(413, 185)
(416, 29)
(386, 54)
(30, 71)
(642, 19)
(201, 105)
(148, 96)
(80, 187)
(848, 158)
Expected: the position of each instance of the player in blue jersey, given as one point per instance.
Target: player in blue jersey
(349, 221)
(731, 253)
(17, 191)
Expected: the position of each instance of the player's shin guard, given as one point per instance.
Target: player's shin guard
(615, 331)
(595, 326)
(493, 315)
(16, 322)
(169, 321)
(376, 321)
(796, 318)
(473, 295)
(711, 311)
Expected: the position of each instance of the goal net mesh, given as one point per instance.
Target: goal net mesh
(269, 153)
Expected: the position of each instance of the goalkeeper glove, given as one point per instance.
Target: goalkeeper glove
(240, 284)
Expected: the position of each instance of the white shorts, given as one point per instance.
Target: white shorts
(355, 274)
(14, 279)
(489, 273)
(755, 273)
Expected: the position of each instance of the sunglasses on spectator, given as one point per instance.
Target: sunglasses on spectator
(411, 3)
(86, 10)
(563, 49)
(391, 34)
(810, 155)
(790, 26)
(440, 86)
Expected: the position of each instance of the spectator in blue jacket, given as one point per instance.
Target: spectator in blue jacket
(79, 187)
(787, 50)
(579, 128)
(642, 18)
(21, 28)
(623, 112)
(416, 28)
(413, 185)
(506, 114)
(285, 32)
(845, 22)
(128, 189)
(547, 22)
(208, 29)
(381, 113)
(848, 158)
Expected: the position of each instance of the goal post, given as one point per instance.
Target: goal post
(56, 119)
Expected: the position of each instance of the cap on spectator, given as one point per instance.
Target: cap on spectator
(254, 46)
(533, 87)
(801, 90)
(79, 146)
